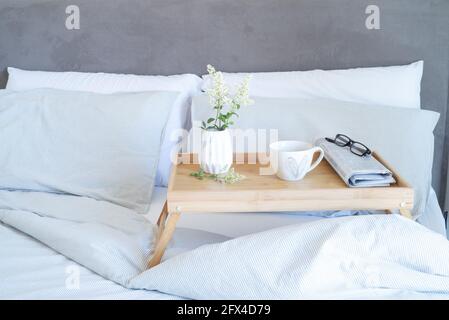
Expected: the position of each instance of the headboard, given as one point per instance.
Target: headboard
(178, 36)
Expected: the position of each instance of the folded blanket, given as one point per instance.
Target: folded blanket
(373, 256)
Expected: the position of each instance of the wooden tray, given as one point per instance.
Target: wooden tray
(321, 189)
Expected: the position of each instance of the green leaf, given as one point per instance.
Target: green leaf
(210, 120)
(229, 177)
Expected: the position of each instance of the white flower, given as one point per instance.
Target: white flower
(218, 94)
(219, 98)
(242, 96)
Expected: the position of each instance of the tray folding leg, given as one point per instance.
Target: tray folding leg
(166, 227)
(404, 212)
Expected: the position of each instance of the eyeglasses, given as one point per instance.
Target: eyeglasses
(356, 147)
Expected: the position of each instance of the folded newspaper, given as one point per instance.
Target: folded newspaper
(356, 172)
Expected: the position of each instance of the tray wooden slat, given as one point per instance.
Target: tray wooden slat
(321, 189)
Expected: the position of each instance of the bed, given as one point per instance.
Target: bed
(78, 218)
(56, 226)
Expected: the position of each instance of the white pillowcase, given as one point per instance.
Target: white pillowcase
(402, 136)
(83, 143)
(187, 85)
(391, 86)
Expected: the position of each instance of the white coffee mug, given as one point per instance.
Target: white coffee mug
(292, 160)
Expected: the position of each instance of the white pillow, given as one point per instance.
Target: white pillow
(83, 143)
(391, 86)
(402, 136)
(187, 85)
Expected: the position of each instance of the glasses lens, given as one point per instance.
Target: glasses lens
(342, 140)
(359, 149)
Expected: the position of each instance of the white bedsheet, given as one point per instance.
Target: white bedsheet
(31, 270)
(113, 241)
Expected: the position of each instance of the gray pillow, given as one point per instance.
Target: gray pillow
(88, 144)
(403, 137)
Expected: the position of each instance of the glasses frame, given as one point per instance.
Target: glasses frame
(350, 144)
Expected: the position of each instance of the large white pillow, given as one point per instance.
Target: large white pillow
(391, 86)
(83, 143)
(402, 136)
(186, 84)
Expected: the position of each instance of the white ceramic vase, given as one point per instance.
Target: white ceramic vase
(216, 151)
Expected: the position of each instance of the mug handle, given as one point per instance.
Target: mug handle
(320, 158)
